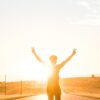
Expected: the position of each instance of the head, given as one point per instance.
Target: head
(53, 59)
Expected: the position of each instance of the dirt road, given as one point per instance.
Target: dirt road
(63, 97)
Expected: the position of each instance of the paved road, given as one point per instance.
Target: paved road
(64, 97)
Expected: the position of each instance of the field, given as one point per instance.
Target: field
(80, 86)
(25, 87)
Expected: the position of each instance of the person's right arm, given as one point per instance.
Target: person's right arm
(36, 56)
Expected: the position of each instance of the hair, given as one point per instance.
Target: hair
(53, 57)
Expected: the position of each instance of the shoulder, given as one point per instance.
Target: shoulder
(59, 66)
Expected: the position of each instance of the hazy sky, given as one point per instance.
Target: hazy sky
(52, 27)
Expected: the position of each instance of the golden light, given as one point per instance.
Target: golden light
(34, 71)
(41, 73)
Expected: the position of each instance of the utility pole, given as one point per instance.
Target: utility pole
(21, 90)
(5, 85)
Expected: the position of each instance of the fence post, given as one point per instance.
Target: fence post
(21, 90)
(5, 85)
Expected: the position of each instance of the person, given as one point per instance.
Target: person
(53, 87)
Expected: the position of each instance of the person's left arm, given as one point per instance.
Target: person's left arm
(67, 59)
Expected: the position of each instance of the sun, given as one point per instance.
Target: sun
(41, 73)
(32, 70)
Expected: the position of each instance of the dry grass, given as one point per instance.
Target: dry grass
(80, 86)
(27, 87)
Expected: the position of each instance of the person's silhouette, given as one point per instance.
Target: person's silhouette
(53, 87)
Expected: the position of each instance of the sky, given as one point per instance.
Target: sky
(51, 27)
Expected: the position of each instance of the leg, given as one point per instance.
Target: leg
(58, 97)
(50, 95)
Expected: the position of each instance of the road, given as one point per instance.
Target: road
(64, 97)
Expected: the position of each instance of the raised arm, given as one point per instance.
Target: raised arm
(66, 60)
(36, 56)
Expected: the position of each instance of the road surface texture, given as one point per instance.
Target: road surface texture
(63, 97)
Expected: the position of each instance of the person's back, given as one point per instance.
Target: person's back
(53, 87)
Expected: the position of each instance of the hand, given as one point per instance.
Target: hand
(74, 51)
(33, 50)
